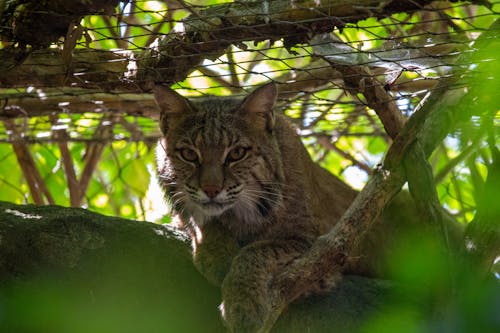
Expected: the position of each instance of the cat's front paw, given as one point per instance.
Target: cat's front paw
(243, 317)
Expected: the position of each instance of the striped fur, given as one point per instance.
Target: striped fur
(250, 188)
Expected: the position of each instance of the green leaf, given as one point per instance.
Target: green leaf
(137, 176)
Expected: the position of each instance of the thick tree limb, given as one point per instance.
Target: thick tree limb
(417, 170)
(134, 276)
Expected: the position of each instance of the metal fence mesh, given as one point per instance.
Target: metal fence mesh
(407, 52)
(84, 88)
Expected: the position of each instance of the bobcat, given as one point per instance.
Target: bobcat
(244, 187)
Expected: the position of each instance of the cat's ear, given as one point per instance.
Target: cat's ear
(171, 105)
(259, 104)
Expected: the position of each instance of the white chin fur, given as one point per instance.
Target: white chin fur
(207, 211)
(214, 210)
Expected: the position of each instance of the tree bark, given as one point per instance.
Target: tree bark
(68, 269)
(40, 23)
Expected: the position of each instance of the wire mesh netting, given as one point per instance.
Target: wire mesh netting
(89, 88)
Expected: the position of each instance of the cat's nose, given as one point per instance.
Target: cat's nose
(211, 190)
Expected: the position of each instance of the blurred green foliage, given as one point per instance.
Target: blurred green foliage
(123, 182)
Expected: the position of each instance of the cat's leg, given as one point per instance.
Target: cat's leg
(213, 251)
(247, 299)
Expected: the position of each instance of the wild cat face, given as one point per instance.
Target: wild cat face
(219, 155)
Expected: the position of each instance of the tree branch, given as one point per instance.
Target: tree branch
(329, 252)
(39, 24)
(236, 22)
(326, 143)
(94, 152)
(78, 264)
(420, 135)
(90, 69)
(358, 79)
(61, 135)
(208, 34)
(32, 175)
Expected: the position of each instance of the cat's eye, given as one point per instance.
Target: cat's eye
(188, 154)
(236, 154)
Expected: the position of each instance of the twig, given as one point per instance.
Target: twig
(314, 122)
(28, 175)
(325, 142)
(171, 6)
(452, 163)
(232, 69)
(120, 43)
(256, 59)
(61, 135)
(217, 78)
(128, 27)
(135, 131)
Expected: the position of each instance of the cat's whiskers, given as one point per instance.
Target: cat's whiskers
(274, 197)
(169, 183)
(274, 183)
(248, 203)
(279, 187)
(178, 199)
(271, 197)
(253, 199)
(160, 143)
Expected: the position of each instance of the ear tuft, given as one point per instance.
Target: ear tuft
(259, 104)
(170, 103)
